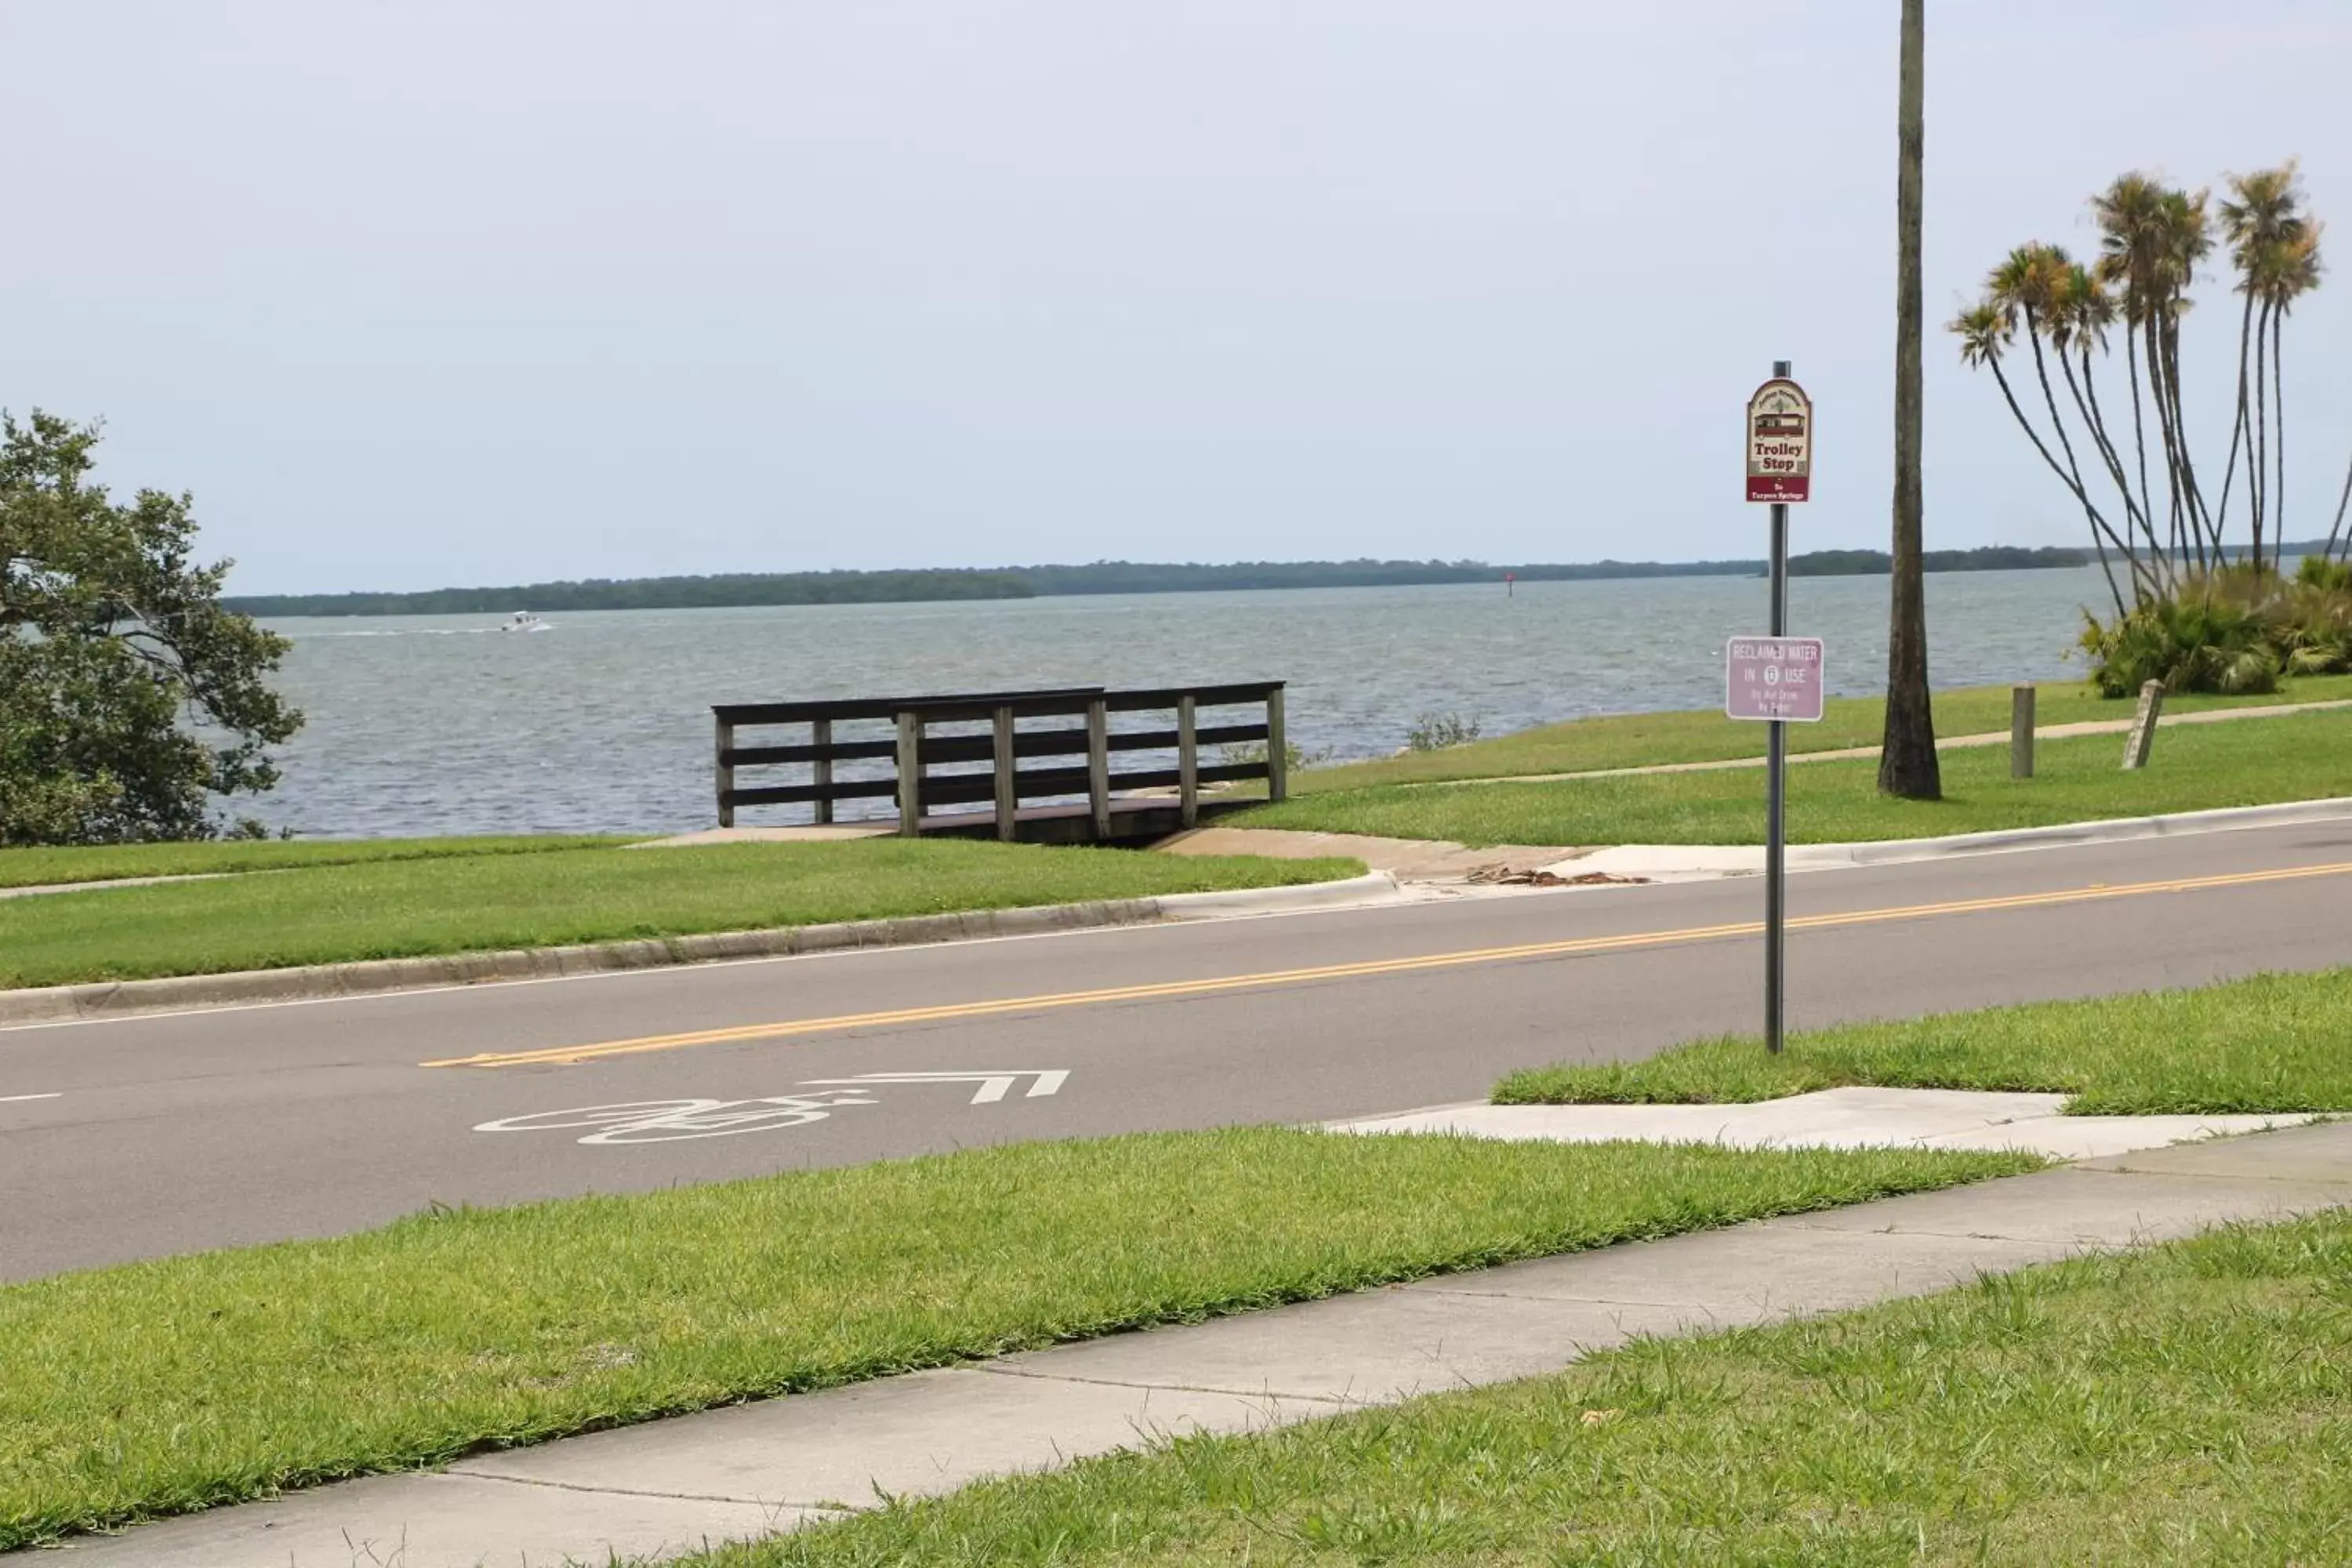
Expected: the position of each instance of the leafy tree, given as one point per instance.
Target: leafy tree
(129, 698)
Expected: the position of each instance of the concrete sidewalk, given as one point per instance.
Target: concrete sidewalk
(1857, 1117)
(669, 1486)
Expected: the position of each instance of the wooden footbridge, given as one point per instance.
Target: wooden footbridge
(1073, 764)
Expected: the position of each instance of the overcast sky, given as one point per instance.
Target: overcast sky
(412, 293)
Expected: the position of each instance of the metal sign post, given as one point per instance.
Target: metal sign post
(1780, 470)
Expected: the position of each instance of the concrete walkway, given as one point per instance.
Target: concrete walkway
(666, 1486)
(1854, 1117)
(40, 889)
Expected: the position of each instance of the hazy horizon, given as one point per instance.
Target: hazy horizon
(424, 295)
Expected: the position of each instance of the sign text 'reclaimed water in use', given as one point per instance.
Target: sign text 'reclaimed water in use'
(443, 724)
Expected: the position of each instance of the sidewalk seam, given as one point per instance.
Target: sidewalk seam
(461, 1473)
(1340, 1401)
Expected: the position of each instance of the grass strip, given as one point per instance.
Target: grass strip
(484, 902)
(1704, 735)
(2256, 762)
(45, 866)
(2272, 1043)
(169, 1386)
(2190, 1404)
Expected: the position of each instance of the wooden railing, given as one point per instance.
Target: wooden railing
(929, 771)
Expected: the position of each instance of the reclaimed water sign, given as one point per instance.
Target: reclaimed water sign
(1775, 679)
(1780, 443)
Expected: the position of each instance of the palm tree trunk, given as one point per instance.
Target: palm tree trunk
(2102, 532)
(2278, 422)
(1907, 763)
(2087, 403)
(2139, 428)
(2192, 495)
(2132, 512)
(2160, 390)
(2262, 434)
(2050, 399)
(2238, 429)
(2343, 504)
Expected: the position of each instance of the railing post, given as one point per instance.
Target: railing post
(1278, 749)
(910, 773)
(2021, 732)
(1188, 762)
(821, 770)
(725, 744)
(1098, 765)
(2143, 730)
(1008, 782)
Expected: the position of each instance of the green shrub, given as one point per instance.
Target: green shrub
(1439, 732)
(2235, 630)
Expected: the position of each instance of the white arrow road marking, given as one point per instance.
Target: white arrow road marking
(18, 1099)
(993, 1086)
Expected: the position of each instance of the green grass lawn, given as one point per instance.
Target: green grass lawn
(1643, 739)
(472, 903)
(2274, 1043)
(179, 1384)
(2187, 1405)
(41, 865)
(2260, 761)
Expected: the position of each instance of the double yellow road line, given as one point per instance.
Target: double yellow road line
(791, 1029)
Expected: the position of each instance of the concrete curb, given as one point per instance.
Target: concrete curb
(1659, 860)
(105, 999)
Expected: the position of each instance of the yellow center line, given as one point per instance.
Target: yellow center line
(1210, 986)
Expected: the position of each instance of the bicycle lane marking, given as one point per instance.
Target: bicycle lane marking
(672, 1120)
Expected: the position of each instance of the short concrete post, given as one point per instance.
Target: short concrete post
(2021, 732)
(1098, 766)
(910, 775)
(726, 739)
(2143, 730)
(821, 770)
(1188, 763)
(1007, 787)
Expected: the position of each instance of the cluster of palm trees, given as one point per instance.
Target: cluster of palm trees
(2165, 529)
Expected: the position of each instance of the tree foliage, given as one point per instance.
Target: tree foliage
(2132, 465)
(131, 700)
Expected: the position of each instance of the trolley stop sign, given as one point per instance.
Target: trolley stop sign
(1780, 443)
(1773, 678)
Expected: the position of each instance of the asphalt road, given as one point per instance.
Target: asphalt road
(173, 1133)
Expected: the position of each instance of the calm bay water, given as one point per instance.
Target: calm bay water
(444, 725)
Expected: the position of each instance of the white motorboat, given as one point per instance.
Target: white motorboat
(524, 621)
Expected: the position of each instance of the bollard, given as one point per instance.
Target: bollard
(2143, 730)
(2021, 732)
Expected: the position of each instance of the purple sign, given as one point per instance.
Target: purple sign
(1773, 678)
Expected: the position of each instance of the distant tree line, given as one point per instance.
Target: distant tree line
(749, 588)
(727, 590)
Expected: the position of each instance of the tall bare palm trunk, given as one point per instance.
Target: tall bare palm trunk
(2278, 416)
(2241, 432)
(1906, 764)
(2335, 537)
(2139, 429)
(2262, 434)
